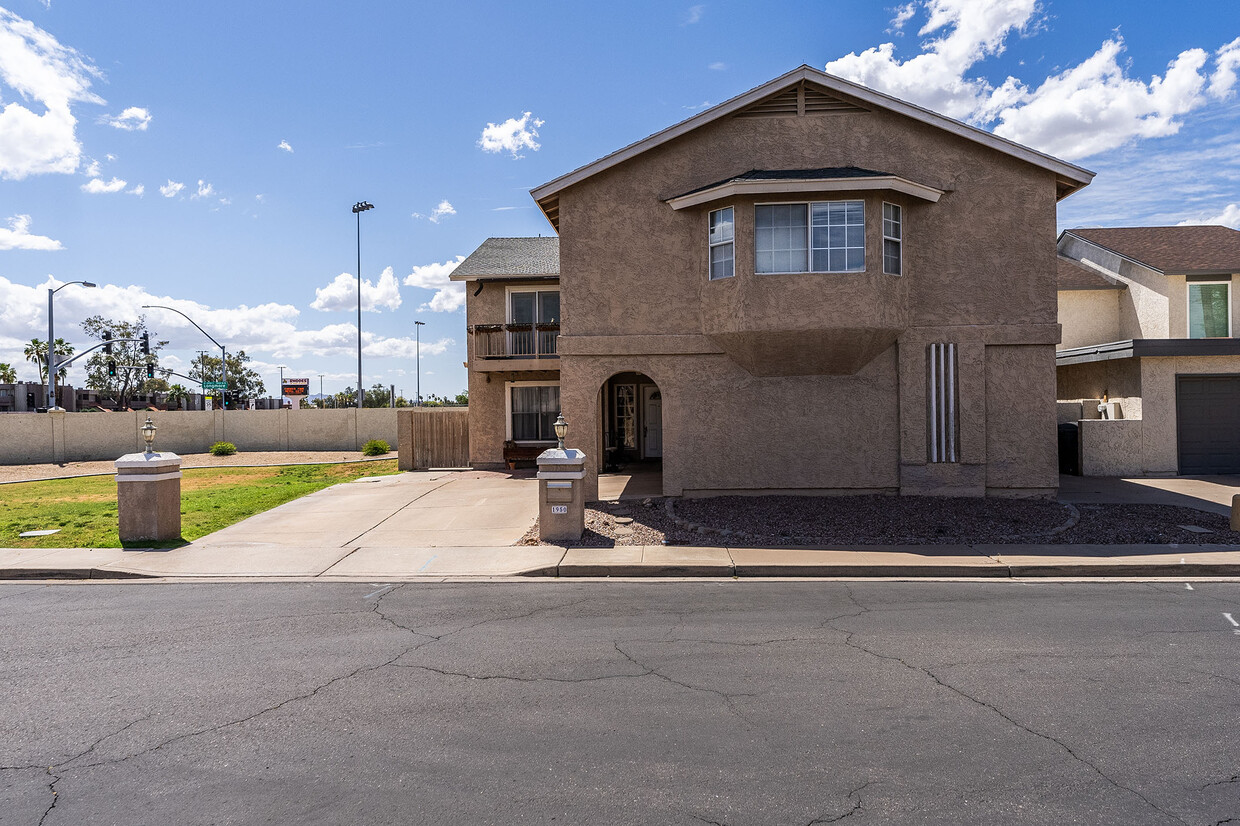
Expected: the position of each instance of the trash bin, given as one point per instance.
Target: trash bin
(1070, 448)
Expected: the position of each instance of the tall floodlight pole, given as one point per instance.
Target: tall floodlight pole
(322, 400)
(50, 402)
(283, 367)
(358, 209)
(203, 369)
(417, 349)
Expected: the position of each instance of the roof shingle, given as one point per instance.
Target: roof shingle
(498, 257)
(1180, 250)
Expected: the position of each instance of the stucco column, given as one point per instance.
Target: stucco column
(561, 495)
(148, 497)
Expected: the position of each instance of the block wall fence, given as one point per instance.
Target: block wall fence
(39, 438)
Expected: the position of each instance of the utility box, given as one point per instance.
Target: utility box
(561, 495)
(148, 497)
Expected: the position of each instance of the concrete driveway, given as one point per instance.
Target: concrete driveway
(1206, 493)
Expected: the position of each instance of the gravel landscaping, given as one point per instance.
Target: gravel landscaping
(771, 521)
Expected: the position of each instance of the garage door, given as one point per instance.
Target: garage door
(1208, 410)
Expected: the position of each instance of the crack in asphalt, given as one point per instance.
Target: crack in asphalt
(856, 807)
(848, 641)
(447, 673)
(1232, 779)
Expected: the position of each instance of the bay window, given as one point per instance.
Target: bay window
(722, 264)
(816, 237)
(893, 239)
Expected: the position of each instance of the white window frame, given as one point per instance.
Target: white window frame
(508, 291)
(1188, 308)
(508, 408)
(809, 237)
(710, 246)
(899, 241)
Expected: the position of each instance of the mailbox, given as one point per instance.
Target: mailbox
(561, 495)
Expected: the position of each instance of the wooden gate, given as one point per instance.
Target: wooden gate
(433, 437)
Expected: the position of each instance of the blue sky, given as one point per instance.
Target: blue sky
(207, 155)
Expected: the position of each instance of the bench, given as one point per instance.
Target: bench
(514, 453)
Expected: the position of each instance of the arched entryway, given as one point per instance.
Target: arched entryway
(631, 437)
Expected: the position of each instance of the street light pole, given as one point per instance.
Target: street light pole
(203, 370)
(283, 367)
(50, 402)
(417, 350)
(358, 209)
(322, 400)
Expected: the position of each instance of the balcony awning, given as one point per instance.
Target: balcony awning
(785, 181)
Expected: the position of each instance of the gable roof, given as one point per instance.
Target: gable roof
(1070, 177)
(511, 257)
(1204, 250)
(1073, 275)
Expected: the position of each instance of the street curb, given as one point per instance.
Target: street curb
(70, 573)
(1000, 571)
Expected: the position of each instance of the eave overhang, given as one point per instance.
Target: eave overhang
(1149, 347)
(751, 186)
(500, 277)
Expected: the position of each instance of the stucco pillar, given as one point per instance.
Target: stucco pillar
(561, 495)
(148, 497)
(57, 420)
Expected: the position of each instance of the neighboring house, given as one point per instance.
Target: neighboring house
(1149, 323)
(812, 287)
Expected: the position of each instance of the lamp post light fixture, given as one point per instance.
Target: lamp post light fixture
(50, 402)
(417, 352)
(148, 435)
(561, 430)
(358, 209)
(203, 364)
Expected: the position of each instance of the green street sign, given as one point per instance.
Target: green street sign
(214, 385)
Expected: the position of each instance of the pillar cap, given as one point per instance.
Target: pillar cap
(555, 456)
(137, 460)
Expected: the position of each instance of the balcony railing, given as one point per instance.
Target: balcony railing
(515, 341)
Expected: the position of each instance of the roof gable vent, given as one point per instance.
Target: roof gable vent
(802, 99)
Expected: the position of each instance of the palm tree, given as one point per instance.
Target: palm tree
(177, 394)
(7, 374)
(36, 353)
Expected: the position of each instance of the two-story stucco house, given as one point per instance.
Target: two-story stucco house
(1148, 317)
(812, 287)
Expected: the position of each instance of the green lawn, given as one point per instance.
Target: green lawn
(211, 498)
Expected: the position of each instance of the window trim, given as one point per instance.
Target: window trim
(710, 246)
(1188, 309)
(508, 409)
(809, 240)
(509, 290)
(899, 241)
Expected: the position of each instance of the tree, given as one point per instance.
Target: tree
(130, 378)
(377, 396)
(346, 398)
(177, 394)
(36, 353)
(7, 374)
(244, 383)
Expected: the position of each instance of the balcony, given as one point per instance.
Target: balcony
(511, 347)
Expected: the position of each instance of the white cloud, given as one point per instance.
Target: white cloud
(96, 186)
(694, 15)
(441, 211)
(511, 136)
(718, 66)
(18, 237)
(1229, 217)
(225, 201)
(171, 189)
(138, 190)
(341, 293)
(93, 169)
(205, 190)
(133, 119)
(1085, 109)
(40, 70)
(903, 15)
(449, 295)
(285, 146)
(110, 157)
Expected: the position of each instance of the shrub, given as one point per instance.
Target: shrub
(223, 449)
(376, 447)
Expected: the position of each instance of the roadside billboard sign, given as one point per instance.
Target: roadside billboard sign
(296, 387)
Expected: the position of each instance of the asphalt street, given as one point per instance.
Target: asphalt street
(733, 702)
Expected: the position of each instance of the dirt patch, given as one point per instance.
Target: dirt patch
(772, 521)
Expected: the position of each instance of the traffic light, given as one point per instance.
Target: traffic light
(111, 368)
(150, 370)
(146, 344)
(107, 344)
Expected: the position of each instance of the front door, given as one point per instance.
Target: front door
(652, 432)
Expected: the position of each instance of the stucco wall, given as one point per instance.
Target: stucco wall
(33, 438)
(1021, 447)
(1146, 307)
(1119, 379)
(1160, 444)
(1111, 447)
(1089, 317)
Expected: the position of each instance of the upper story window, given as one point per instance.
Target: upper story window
(1209, 309)
(722, 263)
(534, 307)
(893, 239)
(817, 237)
